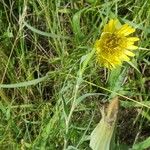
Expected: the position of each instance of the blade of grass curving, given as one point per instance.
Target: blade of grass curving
(84, 136)
(132, 65)
(71, 148)
(142, 145)
(76, 25)
(24, 84)
(81, 98)
(44, 33)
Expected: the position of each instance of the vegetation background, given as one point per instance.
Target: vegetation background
(43, 44)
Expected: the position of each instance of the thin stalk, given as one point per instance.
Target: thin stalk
(78, 82)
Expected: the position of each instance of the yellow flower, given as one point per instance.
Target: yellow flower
(114, 45)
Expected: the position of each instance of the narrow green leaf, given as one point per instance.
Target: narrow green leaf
(45, 33)
(142, 145)
(65, 108)
(131, 64)
(24, 84)
(85, 60)
(72, 148)
(81, 98)
(76, 25)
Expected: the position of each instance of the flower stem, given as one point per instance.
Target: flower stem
(78, 82)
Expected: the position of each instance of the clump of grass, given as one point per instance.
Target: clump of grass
(52, 39)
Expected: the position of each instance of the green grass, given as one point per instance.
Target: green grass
(51, 91)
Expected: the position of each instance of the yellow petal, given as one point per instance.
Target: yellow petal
(97, 43)
(111, 26)
(126, 30)
(116, 60)
(132, 47)
(129, 53)
(108, 65)
(106, 28)
(123, 28)
(129, 31)
(133, 39)
(118, 63)
(107, 62)
(125, 58)
(129, 44)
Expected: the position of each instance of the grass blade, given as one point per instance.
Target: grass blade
(44, 33)
(24, 84)
(142, 145)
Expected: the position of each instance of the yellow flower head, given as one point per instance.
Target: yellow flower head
(114, 45)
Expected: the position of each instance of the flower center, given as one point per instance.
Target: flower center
(110, 42)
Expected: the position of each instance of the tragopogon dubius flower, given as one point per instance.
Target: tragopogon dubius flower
(115, 45)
